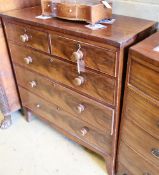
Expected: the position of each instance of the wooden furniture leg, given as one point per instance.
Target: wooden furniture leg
(27, 114)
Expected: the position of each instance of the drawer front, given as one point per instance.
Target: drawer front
(145, 79)
(95, 85)
(135, 164)
(67, 11)
(94, 57)
(63, 120)
(27, 36)
(142, 112)
(141, 142)
(88, 110)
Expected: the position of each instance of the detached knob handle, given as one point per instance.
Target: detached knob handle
(28, 60)
(84, 131)
(80, 108)
(24, 38)
(33, 84)
(78, 81)
(77, 55)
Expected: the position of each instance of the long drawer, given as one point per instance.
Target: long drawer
(97, 86)
(143, 112)
(28, 36)
(94, 57)
(141, 142)
(145, 79)
(133, 163)
(88, 110)
(63, 120)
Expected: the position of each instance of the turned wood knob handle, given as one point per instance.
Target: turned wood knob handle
(38, 106)
(24, 38)
(84, 131)
(33, 84)
(28, 60)
(78, 81)
(80, 108)
(77, 55)
(155, 152)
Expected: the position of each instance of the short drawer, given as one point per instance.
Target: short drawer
(84, 108)
(65, 121)
(141, 142)
(145, 79)
(28, 36)
(94, 57)
(142, 112)
(95, 85)
(132, 163)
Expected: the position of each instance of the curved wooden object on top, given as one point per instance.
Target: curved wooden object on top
(89, 11)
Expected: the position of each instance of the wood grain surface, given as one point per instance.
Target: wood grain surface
(16, 4)
(9, 95)
(142, 112)
(36, 39)
(134, 163)
(72, 125)
(140, 141)
(101, 83)
(94, 113)
(140, 122)
(65, 73)
(145, 79)
(94, 57)
(120, 34)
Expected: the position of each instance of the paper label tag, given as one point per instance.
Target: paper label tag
(107, 4)
(96, 26)
(82, 65)
(78, 66)
(156, 49)
(43, 17)
(107, 21)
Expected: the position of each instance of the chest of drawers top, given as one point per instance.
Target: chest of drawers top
(123, 32)
(148, 50)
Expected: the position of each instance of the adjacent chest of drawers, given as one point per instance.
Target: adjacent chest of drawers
(139, 146)
(71, 76)
(9, 101)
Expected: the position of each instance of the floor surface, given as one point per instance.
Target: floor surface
(37, 149)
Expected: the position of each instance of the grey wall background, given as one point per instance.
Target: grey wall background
(147, 9)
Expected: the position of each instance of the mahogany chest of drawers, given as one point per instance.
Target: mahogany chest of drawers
(138, 152)
(49, 57)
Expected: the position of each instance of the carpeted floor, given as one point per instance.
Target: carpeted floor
(37, 149)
